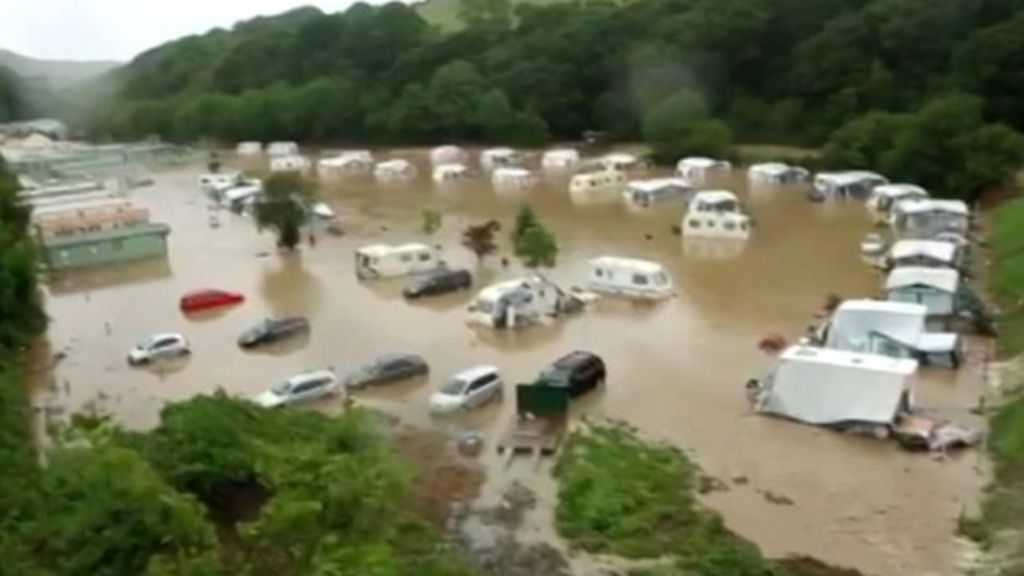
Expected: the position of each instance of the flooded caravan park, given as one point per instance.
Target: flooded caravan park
(676, 369)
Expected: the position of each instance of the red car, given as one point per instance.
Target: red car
(209, 298)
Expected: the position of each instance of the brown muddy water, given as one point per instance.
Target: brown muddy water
(676, 369)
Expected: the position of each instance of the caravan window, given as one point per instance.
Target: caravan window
(729, 226)
(694, 223)
(640, 280)
(406, 258)
(660, 279)
(599, 273)
(424, 257)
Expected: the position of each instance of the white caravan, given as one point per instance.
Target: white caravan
(630, 277)
(645, 193)
(697, 169)
(560, 159)
(448, 155)
(603, 186)
(836, 388)
(285, 148)
(776, 173)
(351, 162)
(847, 184)
(936, 288)
(497, 157)
(926, 253)
(884, 199)
(618, 161)
(451, 173)
(513, 178)
(926, 218)
(516, 303)
(715, 214)
(385, 261)
(289, 164)
(249, 148)
(895, 329)
(394, 170)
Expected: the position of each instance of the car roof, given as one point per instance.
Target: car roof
(476, 372)
(163, 335)
(396, 356)
(205, 291)
(311, 375)
(574, 359)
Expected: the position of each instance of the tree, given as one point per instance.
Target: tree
(488, 15)
(283, 207)
(537, 247)
(681, 126)
(526, 218)
(479, 239)
(864, 142)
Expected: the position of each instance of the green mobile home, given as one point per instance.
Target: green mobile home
(106, 246)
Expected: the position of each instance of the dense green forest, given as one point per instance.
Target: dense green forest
(12, 97)
(778, 70)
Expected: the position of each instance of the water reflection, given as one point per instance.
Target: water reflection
(289, 289)
(708, 249)
(95, 279)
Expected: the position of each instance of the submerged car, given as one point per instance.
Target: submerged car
(304, 387)
(387, 368)
(158, 346)
(577, 372)
(272, 330)
(468, 389)
(440, 281)
(209, 298)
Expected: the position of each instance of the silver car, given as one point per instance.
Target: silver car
(387, 368)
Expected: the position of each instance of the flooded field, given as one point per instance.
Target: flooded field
(676, 369)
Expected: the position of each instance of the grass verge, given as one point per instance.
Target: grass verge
(618, 494)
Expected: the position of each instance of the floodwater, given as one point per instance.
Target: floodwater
(676, 369)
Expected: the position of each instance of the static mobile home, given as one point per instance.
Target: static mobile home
(926, 218)
(384, 261)
(630, 277)
(884, 199)
(936, 288)
(926, 253)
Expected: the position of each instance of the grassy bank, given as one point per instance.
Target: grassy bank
(1003, 509)
(621, 495)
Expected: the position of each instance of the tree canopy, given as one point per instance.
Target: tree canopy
(778, 70)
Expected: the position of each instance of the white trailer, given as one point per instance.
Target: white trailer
(630, 277)
(385, 261)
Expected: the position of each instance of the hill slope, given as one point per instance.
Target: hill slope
(59, 74)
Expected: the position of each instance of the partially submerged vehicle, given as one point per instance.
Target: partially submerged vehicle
(283, 148)
(715, 214)
(207, 298)
(157, 347)
(776, 173)
(386, 261)
(440, 281)
(393, 170)
(513, 178)
(646, 193)
(560, 159)
(873, 246)
(846, 184)
(451, 173)
(386, 369)
(272, 330)
(630, 277)
(935, 288)
(577, 373)
(250, 148)
(448, 154)
(836, 388)
(619, 161)
(293, 163)
(884, 199)
(499, 157)
(895, 329)
(468, 389)
(349, 161)
(698, 169)
(924, 253)
(589, 187)
(517, 303)
(926, 218)
(304, 387)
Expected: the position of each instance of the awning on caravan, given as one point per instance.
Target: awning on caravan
(823, 387)
(933, 249)
(944, 279)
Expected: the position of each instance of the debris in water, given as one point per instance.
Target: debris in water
(470, 443)
(708, 484)
(740, 480)
(777, 499)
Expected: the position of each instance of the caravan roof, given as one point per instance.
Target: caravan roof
(655, 184)
(496, 291)
(383, 250)
(771, 168)
(699, 162)
(715, 196)
(854, 322)
(870, 362)
(848, 177)
(941, 251)
(944, 279)
(921, 205)
(896, 191)
(632, 264)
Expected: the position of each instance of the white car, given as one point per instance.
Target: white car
(467, 389)
(158, 346)
(301, 388)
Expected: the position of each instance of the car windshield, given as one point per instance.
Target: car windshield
(146, 342)
(555, 376)
(282, 388)
(454, 388)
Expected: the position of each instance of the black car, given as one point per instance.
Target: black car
(439, 282)
(579, 372)
(387, 368)
(272, 330)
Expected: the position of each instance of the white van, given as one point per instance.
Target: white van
(715, 214)
(384, 261)
(630, 277)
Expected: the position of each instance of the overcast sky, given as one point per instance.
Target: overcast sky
(120, 29)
